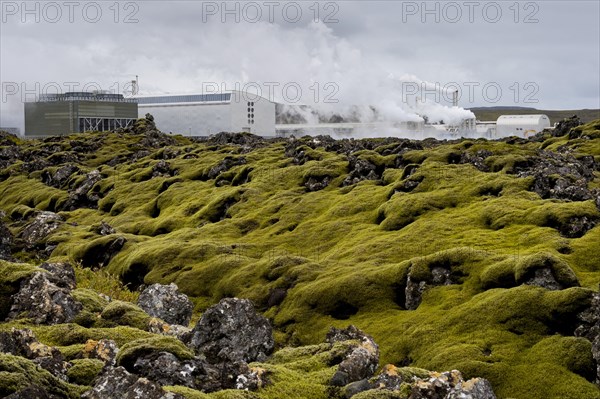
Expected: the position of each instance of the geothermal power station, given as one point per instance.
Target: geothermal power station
(201, 115)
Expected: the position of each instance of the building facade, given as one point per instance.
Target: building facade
(206, 114)
(521, 125)
(77, 112)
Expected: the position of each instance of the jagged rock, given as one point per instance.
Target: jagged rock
(38, 230)
(41, 300)
(475, 388)
(596, 356)
(166, 303)
(162, 169)
(113, 248)
(252, 379)
(104, 349)
(105, 229)
(415, 288)
(165, 368)
(360, 170)
(316, 184)
(559, 176)
(438, 385)
(83, 196)
(157, 326)
(361, 362)
(6, 241)
(225, 165)
(116, 382)
(232, 331)
(60, 177)
(564, 127)
(24, 343)
(577, 226)
(544, 278)
(246, 140)
(356, 387)
(62, 274)
(8, 156)
(588, 325)
(476, 159)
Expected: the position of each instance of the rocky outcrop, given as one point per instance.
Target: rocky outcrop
(317, 183)
(360, 170)
(60, 177)
(45, 297)
(82, 196)
(544, 278)
(35, 233)
(362, 359)
(166, 303)
(225, 165)
(415, 286)
(6, 240)
(232, 331)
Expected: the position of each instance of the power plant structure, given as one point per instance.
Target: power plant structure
(77, 112)
(211, 113)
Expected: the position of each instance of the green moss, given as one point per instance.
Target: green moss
(17, 373)
(125, 314)
(84, 371)
(129, 352)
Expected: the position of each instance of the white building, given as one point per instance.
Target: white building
(521, 125)
(206, 114)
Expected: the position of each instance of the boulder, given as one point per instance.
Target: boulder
(166, 303)
(544, 278)
(105, 229)
(360, 170)
(59, 178)
(42, 300)
(82, 196)
(32, 391)
(361, 361)
(317, 184)
(6, 241)
(24, 343)
(116, 382)
(105, 350)
(415, 288)
(62, 274)
(232, 331)
(475, 388)
(36, 232)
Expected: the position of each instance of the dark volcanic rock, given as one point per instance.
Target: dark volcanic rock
(162, 169)
(32, 391)
(362, 360)
(232, 331)
(564, 127)
(360, 170)
(415, 288)
(61, 274)
(59, 178)
(165, 368)
(83, 196)
(116, 382)
(23, 343)
(43, 301)
(559, 176)
(317, 184)
(38, 230)
(105, 350)
(166, 303)
(544, 278)
(225, 165)
(6, 241)
(105, 229)
(476, 159)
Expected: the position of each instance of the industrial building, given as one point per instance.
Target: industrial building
(521, 125)
(76, 112)
(207, 114)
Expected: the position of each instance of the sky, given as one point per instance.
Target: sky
(398, 56)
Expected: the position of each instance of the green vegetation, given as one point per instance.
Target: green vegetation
(342, 256)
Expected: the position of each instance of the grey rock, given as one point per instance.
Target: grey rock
(59, 178)
(362, 360)
(166, 303)
(24, 343)
(105, 229)
(232, 331)
(544, 278)
(360, 170)
(38, 230)
(476, 388)
(415, 288)
(317, 184)
(116, 382)
(105, 350)
(165, 368)
(6, 242)
(41, 300)
(62, 274)
(356, 387)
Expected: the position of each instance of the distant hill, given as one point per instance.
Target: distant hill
(492, 113)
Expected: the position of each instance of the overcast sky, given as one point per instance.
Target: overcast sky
(543, 54)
